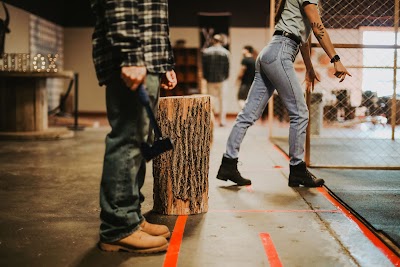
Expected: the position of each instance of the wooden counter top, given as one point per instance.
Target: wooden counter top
(31, 74)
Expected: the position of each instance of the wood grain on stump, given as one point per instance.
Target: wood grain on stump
(181, 175)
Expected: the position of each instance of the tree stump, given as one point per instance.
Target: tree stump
(181, 175)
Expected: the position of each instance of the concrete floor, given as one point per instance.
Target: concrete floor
(49, 212)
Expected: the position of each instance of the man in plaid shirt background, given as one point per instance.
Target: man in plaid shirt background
(131, 46)
(215, 61)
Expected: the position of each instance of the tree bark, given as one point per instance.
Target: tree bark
(181, 175)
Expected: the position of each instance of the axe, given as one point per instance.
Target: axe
(161, 144)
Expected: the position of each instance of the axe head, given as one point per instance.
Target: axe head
(160, 145)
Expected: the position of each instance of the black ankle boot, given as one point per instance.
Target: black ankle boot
(299, 175)
(228, 171)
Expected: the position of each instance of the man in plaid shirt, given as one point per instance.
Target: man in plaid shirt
(215, 61)
(130, 46)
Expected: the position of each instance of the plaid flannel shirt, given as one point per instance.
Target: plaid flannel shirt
(131, 33)
(215, 61)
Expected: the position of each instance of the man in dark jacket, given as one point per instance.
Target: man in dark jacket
(215, 61)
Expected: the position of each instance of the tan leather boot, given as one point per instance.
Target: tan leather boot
(137, 242)
(155, 229)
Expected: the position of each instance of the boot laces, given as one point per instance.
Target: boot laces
(310, 175)
(239, 163)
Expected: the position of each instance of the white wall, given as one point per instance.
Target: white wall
(78, 57)
(17, 41)
(190, 34)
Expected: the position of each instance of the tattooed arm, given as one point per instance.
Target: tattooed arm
(311, 76)
(323, 38)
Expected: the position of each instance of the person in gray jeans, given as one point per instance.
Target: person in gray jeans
(295, 19)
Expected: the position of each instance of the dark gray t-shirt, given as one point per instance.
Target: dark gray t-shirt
(294, 20)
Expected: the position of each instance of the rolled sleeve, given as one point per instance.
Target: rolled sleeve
(315, 2)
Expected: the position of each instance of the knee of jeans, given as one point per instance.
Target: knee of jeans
(246, 120)
(299, 117)
(300, 112)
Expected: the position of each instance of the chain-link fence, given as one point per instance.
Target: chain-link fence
(355, 123)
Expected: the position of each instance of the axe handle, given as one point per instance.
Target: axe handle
(145, 101)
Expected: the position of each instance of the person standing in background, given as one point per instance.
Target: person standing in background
(215, 62)
(246, 74)
(131, 47)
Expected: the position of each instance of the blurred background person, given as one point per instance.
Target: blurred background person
(215, 61)
(246, 74)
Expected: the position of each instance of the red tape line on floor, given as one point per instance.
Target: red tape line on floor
(272, 254)
(249, 188)
(281, 152)
(367, 232)
(273, 211)
(171, 257)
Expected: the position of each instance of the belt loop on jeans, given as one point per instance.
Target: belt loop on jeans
(289, 35)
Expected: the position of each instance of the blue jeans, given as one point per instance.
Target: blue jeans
(274, 71)
(124, 167)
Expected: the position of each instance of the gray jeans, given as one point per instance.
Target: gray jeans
(124, 167)
(274, 71)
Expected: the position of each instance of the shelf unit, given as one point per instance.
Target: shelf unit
(187, 67)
